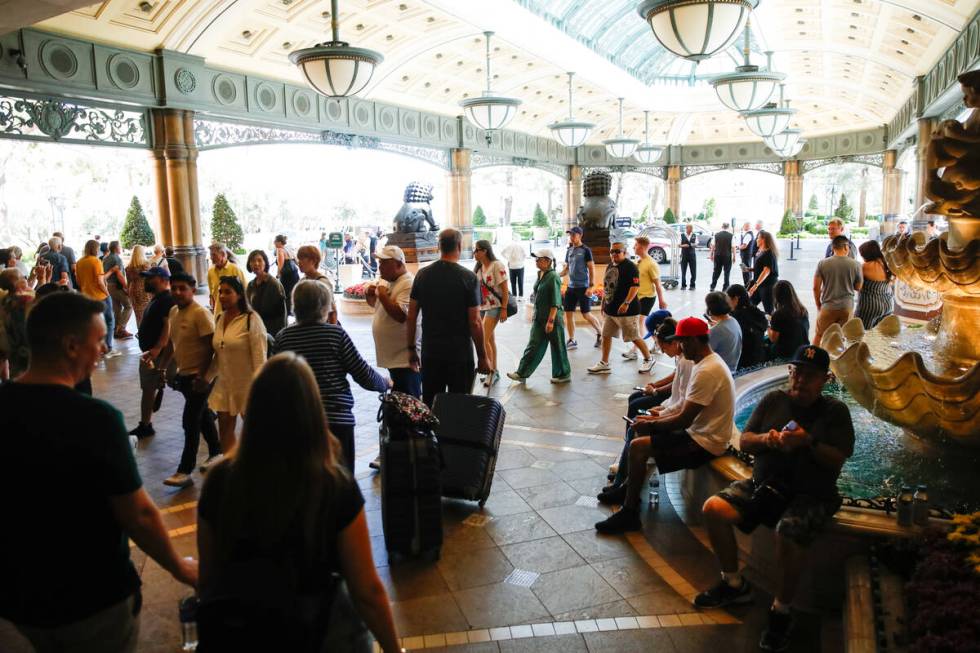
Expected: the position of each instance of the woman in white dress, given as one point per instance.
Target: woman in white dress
(240, 348)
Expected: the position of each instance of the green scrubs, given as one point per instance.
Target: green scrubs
(547, 294)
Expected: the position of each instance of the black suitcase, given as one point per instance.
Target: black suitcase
(411, 500)
(469, 433)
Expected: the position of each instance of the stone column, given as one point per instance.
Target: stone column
(459, 202)
(926, 125)
(793, 188)
(163, 227)
(573, 196)
(175, 168)
(891, 192)
(674, 190)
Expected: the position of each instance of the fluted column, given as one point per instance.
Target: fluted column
(926, 126)
(891, 192)
(459, 202)
(674, 190)
(573, 196)
(792, 188)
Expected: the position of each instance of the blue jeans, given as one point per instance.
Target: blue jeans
(406, 380)
(110, 321)
(638, 401)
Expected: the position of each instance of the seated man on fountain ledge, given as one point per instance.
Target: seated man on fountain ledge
(800, 439)
(682, 439)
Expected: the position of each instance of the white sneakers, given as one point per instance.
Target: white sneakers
(179, 480)
(561, 379)
(646, 366)
(630, 355)
(600, 368)
(514, 376)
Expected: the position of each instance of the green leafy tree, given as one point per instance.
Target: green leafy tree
(709, 208)
(224, 224)
(479, 217)
(136, 230)
(789, 224)
(844, 210)
(669, 216)
(644, 216)
(814, 204)
(540, 218)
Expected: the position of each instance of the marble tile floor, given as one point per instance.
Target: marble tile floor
(583, 592)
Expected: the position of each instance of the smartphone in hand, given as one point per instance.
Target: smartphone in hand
(791, 425)
(629, 421)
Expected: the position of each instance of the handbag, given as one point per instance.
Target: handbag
(511, 300)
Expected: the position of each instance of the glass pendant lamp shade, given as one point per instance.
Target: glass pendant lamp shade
(334, 68)
(747, 88)
(784, 140)
(696, 29)
(647, 152)
(768, 121)
(620, 147)
(790, 152)
(571, 132)
(490, 112)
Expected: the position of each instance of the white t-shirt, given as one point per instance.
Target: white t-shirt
(678, 387)
(390, 349)
(515, 255)
(712, 386)
(492, 276)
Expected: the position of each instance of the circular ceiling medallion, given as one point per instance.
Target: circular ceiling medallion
(123, 71)
(302, 104)
(719, 152)
(694, 154)
(409, 124)
(334, 111)
(362, 115)
(185, 81)
(449, 130)
(430, 126)
(265, 96)
(58, 60)
(386, 117)
(742, 151)
(224, 89)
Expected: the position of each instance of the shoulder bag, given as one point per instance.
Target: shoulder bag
(511, 300)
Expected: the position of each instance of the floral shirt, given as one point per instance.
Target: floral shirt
(492, 275)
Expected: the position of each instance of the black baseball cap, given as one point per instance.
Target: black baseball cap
(156, 272)
(812, 356)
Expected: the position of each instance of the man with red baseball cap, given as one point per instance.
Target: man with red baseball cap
(685, 439)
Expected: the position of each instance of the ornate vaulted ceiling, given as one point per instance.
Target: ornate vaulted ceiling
(850, 63)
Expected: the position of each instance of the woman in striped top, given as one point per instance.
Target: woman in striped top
(332, 356)
(875, 300)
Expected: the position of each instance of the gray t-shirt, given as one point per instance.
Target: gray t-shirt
(841, 275)
(725, 339)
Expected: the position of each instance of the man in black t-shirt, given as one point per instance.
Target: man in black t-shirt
(621, 309)
(722, 250)
(448, 296)
(68, 582)
(154, 340)
(800, 439)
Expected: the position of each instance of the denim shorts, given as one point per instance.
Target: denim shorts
(491, 312)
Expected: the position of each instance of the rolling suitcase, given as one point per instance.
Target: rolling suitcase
(469, 433)
(411, 498)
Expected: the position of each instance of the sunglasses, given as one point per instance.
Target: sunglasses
(615, 251)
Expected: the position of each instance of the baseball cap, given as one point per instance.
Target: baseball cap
(544, 253)
(390, 252)
(690, 327)
(156, 272)
(575, 230)
(812, 356)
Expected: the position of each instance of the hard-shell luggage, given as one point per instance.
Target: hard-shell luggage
(469, 433)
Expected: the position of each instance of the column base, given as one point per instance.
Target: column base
(194, 258)
(598, 241)
(419, 247)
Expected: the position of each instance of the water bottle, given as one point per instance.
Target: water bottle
(654, 489)
(920, 506)
(188, 622)
(905, 506)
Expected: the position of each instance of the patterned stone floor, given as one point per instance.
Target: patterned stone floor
(527, 573)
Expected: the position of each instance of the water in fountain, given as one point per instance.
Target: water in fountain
(887, 349)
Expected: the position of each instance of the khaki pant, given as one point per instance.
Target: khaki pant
(828, 316)
(113, 630)
(122, 307)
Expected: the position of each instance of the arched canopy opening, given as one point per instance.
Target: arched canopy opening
(726, 195)
(824, 187)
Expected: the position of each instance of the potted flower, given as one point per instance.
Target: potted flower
(541, 227)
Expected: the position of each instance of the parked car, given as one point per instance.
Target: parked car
(702, 234)
(659, 250)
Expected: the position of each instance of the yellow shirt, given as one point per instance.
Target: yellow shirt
(214, 277)
(87, 271)
(649, 275)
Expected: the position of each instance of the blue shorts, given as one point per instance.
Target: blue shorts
(576, 297)
(491, 312)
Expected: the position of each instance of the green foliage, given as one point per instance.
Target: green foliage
(814, 204)
(669, 216)
(644, 216)
(844, 211)
(479, 217)
(224, 224)
(136, 230)
(789, 224)
(483, 234)
(815, 227)
(521, 232)
(540, 218)
(709, 208)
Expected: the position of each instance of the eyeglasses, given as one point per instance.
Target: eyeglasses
(615, 251)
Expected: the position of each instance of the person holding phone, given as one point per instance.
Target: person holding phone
(800, 439)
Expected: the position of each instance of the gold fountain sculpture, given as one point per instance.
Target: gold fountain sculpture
(941, 398)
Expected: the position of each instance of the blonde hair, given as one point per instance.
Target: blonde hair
(138, 258)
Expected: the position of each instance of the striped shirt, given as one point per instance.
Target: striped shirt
(332, 356)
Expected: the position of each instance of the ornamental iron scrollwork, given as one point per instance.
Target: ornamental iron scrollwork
(691, 171)
(210, 134)
(660, 172)
(349, 141)
(481, 160)
(772, 167)
(875, 160)
(49, 119)
(434, 155)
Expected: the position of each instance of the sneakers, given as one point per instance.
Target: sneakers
(627, 519)
(179, 480)
(376, 463)
(571, 344)
(630, 355)
(514, 376)
(561, 379)
(598, 340)
(211, 462)
(776, 635)
(724, 594)
(612, 496)
(143, 431)
(600, 368)
(646, 366)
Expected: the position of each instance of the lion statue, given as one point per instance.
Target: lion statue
(415, 216)
(598, 211)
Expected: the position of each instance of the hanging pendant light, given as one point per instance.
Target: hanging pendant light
(335, 69)
(647, 152)
(791, 152)
(771, 119)
(784, 141)
(696, 29)
(490, 112)
(571, 132)
(747, 88)
(621, 147)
